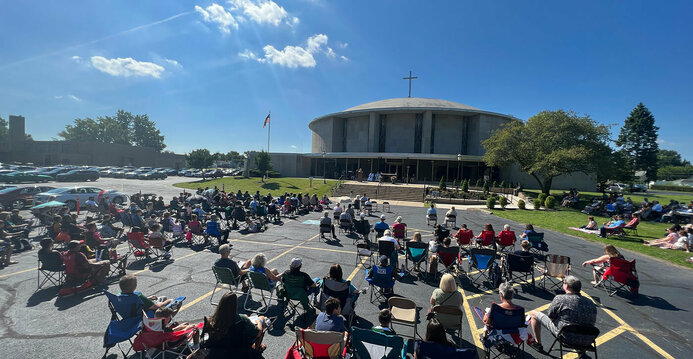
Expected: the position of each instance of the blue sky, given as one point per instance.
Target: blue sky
(208, 72)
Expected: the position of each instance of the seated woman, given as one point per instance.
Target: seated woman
(441, 233)
(194, 225)
(435, 333)
(257, 264)
(446, 294)
(506, 293)
(416, 237)
(79, 269)
(464, 235)
(399, 229)
(671, 241)
(597, 268)
(50, 259)
(529, 229)
(337, 275)
(486, 237)
(157, 240)
(232, 334)
(591, 224)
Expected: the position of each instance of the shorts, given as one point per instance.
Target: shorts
(547, 323)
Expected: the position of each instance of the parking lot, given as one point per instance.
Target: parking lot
(39, 324)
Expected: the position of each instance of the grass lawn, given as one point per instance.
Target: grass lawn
(560, 220)
(276, 186)
(682, 197)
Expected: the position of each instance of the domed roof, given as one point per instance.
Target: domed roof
(411, 102)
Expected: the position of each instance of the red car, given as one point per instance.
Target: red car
(20, 197)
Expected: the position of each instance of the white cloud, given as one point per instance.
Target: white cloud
(215, 13)
(75, 98)
(294, 147)
(57, 97)
(344, 58)
(264, 11)
(295, 56)
(173, 62)
(76, 58)
(343, 45)
(126, 67)
(291, 57)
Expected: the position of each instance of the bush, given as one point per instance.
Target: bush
(502, 184)
(441, 185)
(465, 186)
(257, 173)
(672, 188)
(478, 182)
(495, 184)
(542, 198)
(491, 202)
(550, 202)
(537, 203)
(503, 202)
(486, 187)
(521, 204)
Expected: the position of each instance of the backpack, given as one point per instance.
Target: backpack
(495, 275)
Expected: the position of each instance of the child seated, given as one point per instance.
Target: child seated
(166, 315)
(157, 240)
(177, 229)
(385, 320)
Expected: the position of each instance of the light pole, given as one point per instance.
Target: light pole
(324, 160)
(459, 166)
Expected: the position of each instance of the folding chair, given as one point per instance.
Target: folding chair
(53, 276)
(224, 277)
(432, 350)
(197, 237)
(381, 282)
(481, 259)
(450, 317)
(363, 250)
(345, 226)
(158, 247)
(340, 290)
(137, 245)
(451, 219)
(386, 206)
(506, 241)
(449, 258)
(126, 320)
(368, 208)
(417, 253)
(554, 270)
(488, 239)
(387, 248)
(536, 241)
(518, 267)
(464, 239)
(508, 330)
(618, 231)
(260, 282)
(154, 342)
(619, 275)
(313, 344)
(375, 206)
(431, 218)
(404, 312)
(632, 226)
(399, 232)
(368, 344)
(294, 295)
(324, 228)
(364, 229)
(578, 338)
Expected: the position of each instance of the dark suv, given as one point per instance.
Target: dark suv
(78, 176)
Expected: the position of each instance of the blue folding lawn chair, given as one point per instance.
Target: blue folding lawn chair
(431, 350)
(381, 282)
(126, 320)
(368, 344)
(481, 259)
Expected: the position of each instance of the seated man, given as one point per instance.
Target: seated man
(108, 230)
(331, 319)
(387, 237)
(525, 246)
(441, 232)
(214, 230)
(50, 259)
(307, 282)
(431, 212)
(345, 218)
(128, 286)
(385, 320)
(91, 205)
(383, 265)
(326, 222)
(380, 227)
(6, 247)
(239, 269)
(611, 226)
(158, 240)
(362, 226)
(79, 269)
(568, 308)
(451, 214)
(464, 235)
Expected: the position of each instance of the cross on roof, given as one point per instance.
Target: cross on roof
(409, 78)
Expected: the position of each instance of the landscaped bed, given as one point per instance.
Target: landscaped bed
(276, 186)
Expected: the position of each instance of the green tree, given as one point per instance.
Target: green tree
(145, 133)
(613, 166)
(465, 186)
(486, 187)
(263, 161)
(441, 185)
(4, 130)
(199, 159)
(549, 144)
(670, 173)
(82, 130)
(670, 158)
(638, 138)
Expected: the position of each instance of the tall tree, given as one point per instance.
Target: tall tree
(263, 162)
(549, 144)
(200, 158)
(82, 130)
(4, 130)
(670, 158)
(638, 138)
(145, 133)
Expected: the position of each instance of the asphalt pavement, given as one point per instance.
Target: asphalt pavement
(39, 324)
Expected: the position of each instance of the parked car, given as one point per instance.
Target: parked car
(152, 175)
(78, 175)
(170, 172)
(20, 197)
(56, 171)
(22, 176)
(638, 188)
(616, 187)
(69, 195)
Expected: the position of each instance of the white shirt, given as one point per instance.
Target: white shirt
(390, 239)
(337, 209)
(451, 212)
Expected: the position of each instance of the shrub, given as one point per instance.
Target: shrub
(441, 185)
(503, 202)
(537, 203)
(465, 186)
(521, 204)
(550, 202)
(491, 202)
(478, 182)
(495, 184)
(502, 184)
(256, 173)
(486, 187)
(542, 198)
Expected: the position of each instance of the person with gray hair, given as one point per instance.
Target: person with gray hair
(568, 308)
(506, 293)
(257, 264)
(326, 221)
(239, 268)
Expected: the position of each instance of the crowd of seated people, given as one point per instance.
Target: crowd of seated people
(571, 198)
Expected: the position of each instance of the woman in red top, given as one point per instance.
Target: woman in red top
(464, 235)
(487, 236)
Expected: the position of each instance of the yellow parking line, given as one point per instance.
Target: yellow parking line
(356, 270)
(202, 297)
(18, 272)
(543, 307)
(627, 327)
(472, 327)
(613, 333)
(492, 290)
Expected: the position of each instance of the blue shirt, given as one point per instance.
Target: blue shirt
(617, 224)
(332, 323)
(381, 225)
(431, 211)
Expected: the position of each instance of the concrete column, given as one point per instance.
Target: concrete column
(373, 132)
(426, 129)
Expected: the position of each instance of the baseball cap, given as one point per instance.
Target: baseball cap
(295, 263)
(363, 215)
(382, 216)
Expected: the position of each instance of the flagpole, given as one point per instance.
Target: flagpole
(269, 127)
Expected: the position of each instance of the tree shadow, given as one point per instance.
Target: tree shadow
(270, 186)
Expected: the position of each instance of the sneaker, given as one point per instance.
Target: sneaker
(167, 255)
(537, 346)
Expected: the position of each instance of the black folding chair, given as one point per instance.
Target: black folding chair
(518, 267)
(575, 338)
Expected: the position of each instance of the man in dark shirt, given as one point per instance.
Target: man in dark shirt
(225, 262)
(330, 319)
(50, 259)
(305, 280)
(568, 308)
